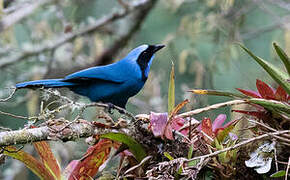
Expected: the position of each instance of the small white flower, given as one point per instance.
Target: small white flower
(262, 158)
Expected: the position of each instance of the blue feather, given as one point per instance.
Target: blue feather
(114, 83)
(47, 83)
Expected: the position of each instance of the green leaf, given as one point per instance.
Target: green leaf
(217, 93)
(209, 175)
(283, 56)
(278, 75)
(278, 174)
(190, 151)
(166, 154)
(224, 133)
(178, 173)
(219, 146)
(171, 91)
(193, 163)
(272, 104)
(134, 146)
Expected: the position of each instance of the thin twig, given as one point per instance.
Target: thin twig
(138, 165)
(5, 129)
(272, 129)
(215, 106)
(282, 162)
(201, 110)
(14, 116)
(10, 95)
(241, 144)
(287, 170)
(123, 4)
(85, 106)
(275, 157)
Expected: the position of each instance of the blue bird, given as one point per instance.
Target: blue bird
(114, 83)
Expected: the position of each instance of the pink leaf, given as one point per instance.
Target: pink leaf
(71, 167)
(218, 122)
(157, 123)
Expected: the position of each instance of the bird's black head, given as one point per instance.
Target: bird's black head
(145, 58)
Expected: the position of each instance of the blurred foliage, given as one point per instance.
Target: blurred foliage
(200, 35)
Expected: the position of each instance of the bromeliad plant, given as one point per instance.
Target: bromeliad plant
(269, 106)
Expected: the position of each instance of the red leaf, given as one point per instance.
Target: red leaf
(281, 94)
(206, 127)
(250, 93)
(88, 166)
(167, 133)
(47, 158)
(265, 91)
(258, 114)
(177, 123)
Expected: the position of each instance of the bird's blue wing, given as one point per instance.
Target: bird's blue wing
(112, 73)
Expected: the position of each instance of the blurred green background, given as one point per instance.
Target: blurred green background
(200, 38)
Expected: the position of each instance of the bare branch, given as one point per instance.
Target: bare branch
(136, 21)
(48, 46)
(53, 130)
(23, 12)
(108, 54)
(24, 136)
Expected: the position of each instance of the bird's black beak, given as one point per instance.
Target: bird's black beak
(158, 47)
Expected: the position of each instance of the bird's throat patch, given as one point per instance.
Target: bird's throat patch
(144, 59)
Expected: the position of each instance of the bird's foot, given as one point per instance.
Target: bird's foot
(110, 107)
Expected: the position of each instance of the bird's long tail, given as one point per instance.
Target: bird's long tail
(46, 83)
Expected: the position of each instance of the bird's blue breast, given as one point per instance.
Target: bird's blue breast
(123, 81)
(105, 91)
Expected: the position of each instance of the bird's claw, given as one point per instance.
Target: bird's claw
(110, 107)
